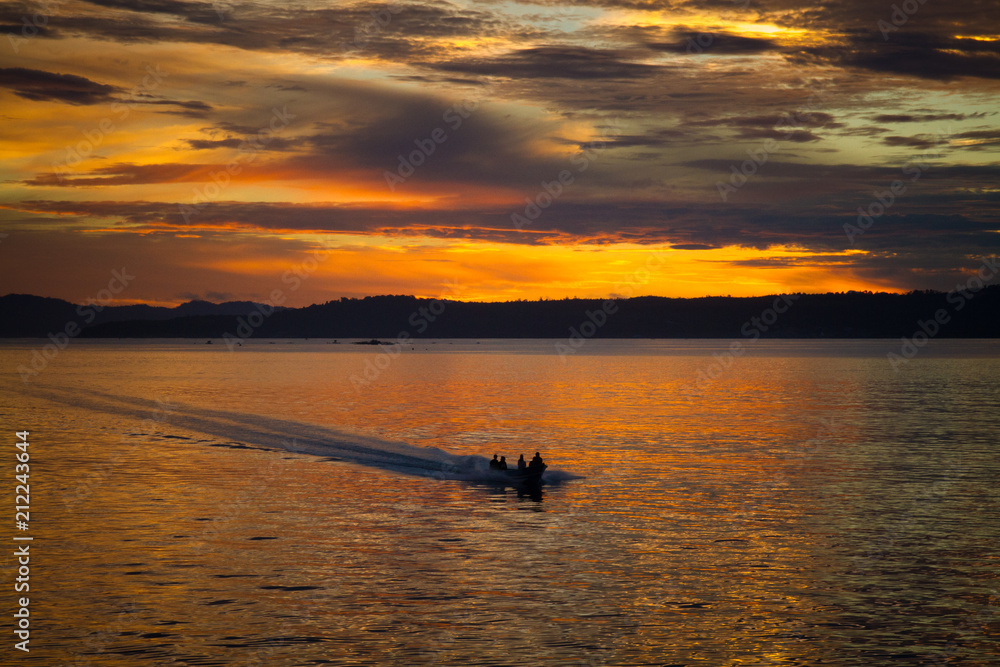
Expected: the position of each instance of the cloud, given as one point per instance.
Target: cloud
(554, 62)
(208, 144)
(713, 43)
(385, 30)
(476, 141)
(175, 7)
(691, 226)
(919, 141)
(911, 53)
(693, 246)
(793, 126)
(40, 86)
(977, 140)
(660, 137)
(923, 118)
(190, 108)
(273, 143)
(129, 174)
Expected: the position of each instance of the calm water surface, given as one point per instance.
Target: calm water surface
(803, 504)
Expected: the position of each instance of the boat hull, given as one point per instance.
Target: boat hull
(525, 475)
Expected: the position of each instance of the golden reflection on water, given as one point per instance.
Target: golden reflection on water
(799, 508)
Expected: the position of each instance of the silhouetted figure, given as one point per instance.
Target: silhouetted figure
(494, 464)
(521, 465)
(503, 463)
(536, 461)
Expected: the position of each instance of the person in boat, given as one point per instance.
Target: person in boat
(494, 464)
(503, 463)
(521, 464)
(536, 461)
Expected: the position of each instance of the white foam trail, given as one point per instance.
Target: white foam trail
(299, 437)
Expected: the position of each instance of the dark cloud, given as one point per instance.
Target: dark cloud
(190, 108)
(383, 30)
(20, 31)
(714, 43)
(926, 46)
(796, 126)
(208, 144)
(960, 175)
(453, 140)
(911, 53)
(693, 246)
(554, 62)
(246, 143)
(39, 86)
(923, 118)
(919, 141)
(663, 137)
(684, 227)
(129, 174)
(977, 139)
(176, 7)
(795, 136)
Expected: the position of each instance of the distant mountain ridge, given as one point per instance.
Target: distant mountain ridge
(29, 316)
(965, 314)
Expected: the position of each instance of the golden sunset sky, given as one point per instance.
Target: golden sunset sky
(496, 150)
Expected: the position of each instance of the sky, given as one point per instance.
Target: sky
(308, 151)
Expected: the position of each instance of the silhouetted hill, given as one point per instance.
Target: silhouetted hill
(24, 315)
(33, 316)
(841, 315)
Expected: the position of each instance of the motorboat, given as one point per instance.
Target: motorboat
(529, 475)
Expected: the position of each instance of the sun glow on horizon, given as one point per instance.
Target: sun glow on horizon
(492, 271)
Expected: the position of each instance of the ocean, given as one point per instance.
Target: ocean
(301, 502)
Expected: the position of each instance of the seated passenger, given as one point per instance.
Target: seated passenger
(536, 461)
(503, 463)
(521, 465)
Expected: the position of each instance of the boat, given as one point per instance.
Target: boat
(529, 475)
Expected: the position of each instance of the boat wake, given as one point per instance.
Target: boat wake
(247, 430)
